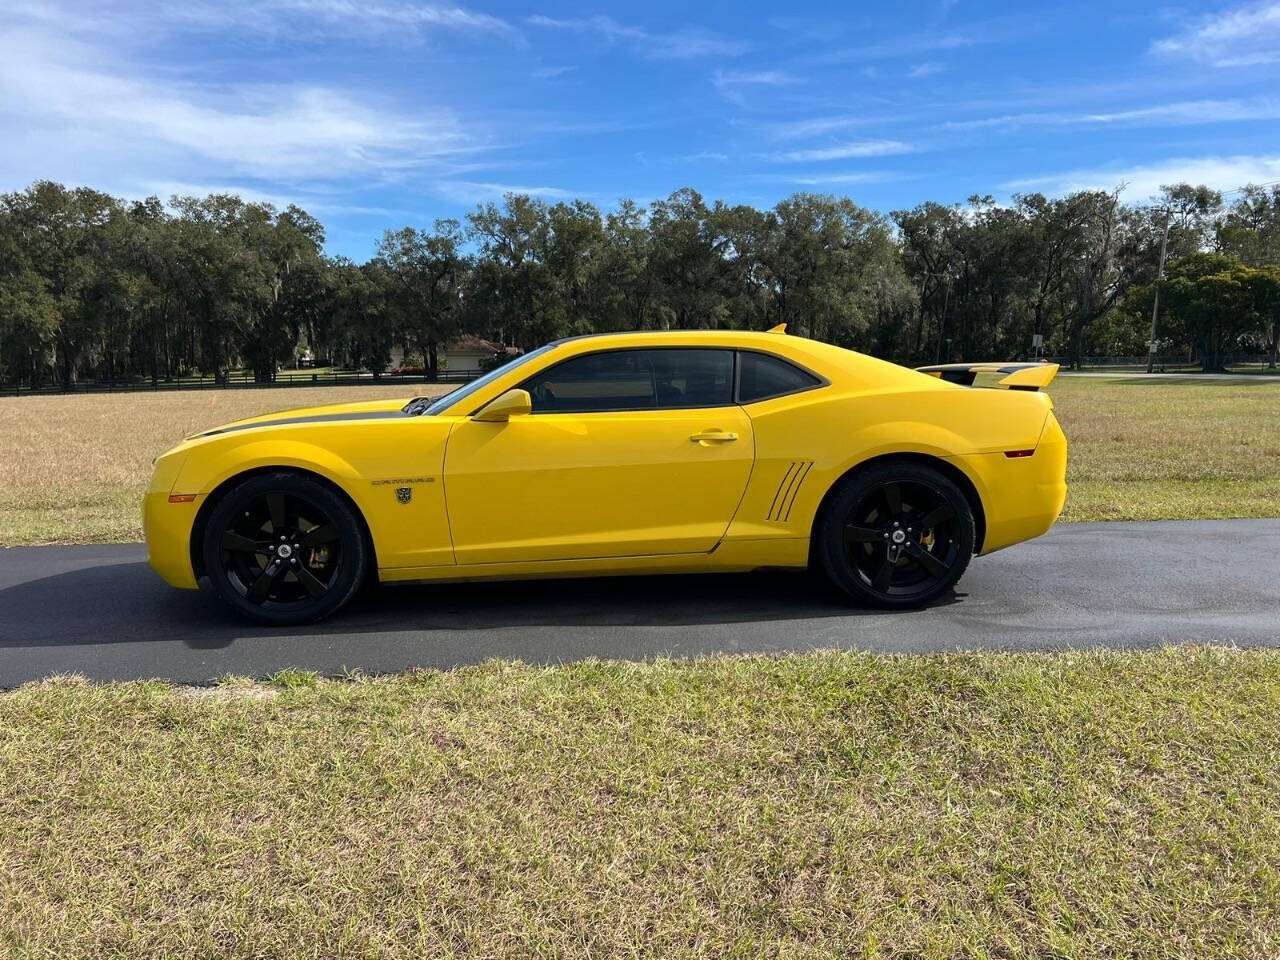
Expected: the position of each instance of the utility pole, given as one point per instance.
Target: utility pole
(942, 323)
(1155, 307)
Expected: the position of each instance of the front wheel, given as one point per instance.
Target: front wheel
(897, 535)
(284, 549)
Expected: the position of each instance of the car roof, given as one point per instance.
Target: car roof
(825, 359)
(720, 336)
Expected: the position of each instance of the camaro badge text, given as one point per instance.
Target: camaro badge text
(403, 485)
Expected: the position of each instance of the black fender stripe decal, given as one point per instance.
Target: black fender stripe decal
(795, 490)
(315, 418)
(785, 496)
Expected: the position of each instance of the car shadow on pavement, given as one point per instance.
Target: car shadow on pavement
(125, 602)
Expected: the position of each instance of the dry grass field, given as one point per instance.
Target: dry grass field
(1170, 449)
(73, 468)
(829, 805)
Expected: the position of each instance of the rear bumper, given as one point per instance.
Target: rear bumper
(167, 529)
(1022, 496)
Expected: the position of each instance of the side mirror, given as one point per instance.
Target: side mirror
(513, 403)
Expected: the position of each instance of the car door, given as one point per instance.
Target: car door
(625, 453)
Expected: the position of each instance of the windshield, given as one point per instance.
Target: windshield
(441, 404)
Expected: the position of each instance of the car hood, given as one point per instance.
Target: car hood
(329, 413)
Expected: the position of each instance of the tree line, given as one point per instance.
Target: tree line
(92, 286)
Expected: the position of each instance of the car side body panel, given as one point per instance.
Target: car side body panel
(969, 429)
(369, 460)
(595, 485)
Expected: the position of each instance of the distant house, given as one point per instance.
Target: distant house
(468, 353)
(462, 355)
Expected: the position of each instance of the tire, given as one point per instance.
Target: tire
(283, 549)
(895, 536)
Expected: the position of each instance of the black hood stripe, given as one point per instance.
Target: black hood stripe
(315, 418)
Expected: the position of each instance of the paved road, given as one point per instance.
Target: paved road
(99, 611)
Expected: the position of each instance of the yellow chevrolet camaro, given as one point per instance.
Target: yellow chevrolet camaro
(621, 453)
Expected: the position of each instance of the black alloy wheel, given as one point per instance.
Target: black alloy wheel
(284, 549)
(897, 535)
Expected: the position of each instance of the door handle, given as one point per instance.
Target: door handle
(714, 436)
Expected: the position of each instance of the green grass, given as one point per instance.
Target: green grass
(828, 805)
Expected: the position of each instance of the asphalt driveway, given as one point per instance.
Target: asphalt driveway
(100, 611)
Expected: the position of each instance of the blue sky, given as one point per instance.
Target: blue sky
(385, 113)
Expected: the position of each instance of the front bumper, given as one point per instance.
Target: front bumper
(167, 529)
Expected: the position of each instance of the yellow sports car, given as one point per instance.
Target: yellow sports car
(650, 452)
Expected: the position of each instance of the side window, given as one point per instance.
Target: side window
(763, 376)
(693, 378)
(634, 380)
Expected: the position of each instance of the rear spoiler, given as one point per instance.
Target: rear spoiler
(1017, 376)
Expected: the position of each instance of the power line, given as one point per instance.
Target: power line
(1268, 183)
(1228, 193)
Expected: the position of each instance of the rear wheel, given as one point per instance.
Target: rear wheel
(897, 535)
(284, 549)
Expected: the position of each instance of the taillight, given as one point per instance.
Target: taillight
(1016, 454)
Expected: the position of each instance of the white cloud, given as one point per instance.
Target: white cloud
(816, 126)
(911, 45)
(1145, 180)
(1245, 36)
(91, 110)
(1184, 112)
(921, 70)
(550, 73)
(1008, 27)
(819, 179)
(468, 191)
(845, 151)
(398, 15)
(701, 156)
(683, 44)
(733, 84)
(313, 203)
(293, 21)
(759, 78)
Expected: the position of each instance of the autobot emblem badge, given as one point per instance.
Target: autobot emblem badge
(404, 494)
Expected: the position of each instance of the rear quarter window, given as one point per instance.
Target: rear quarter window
(763, 376)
